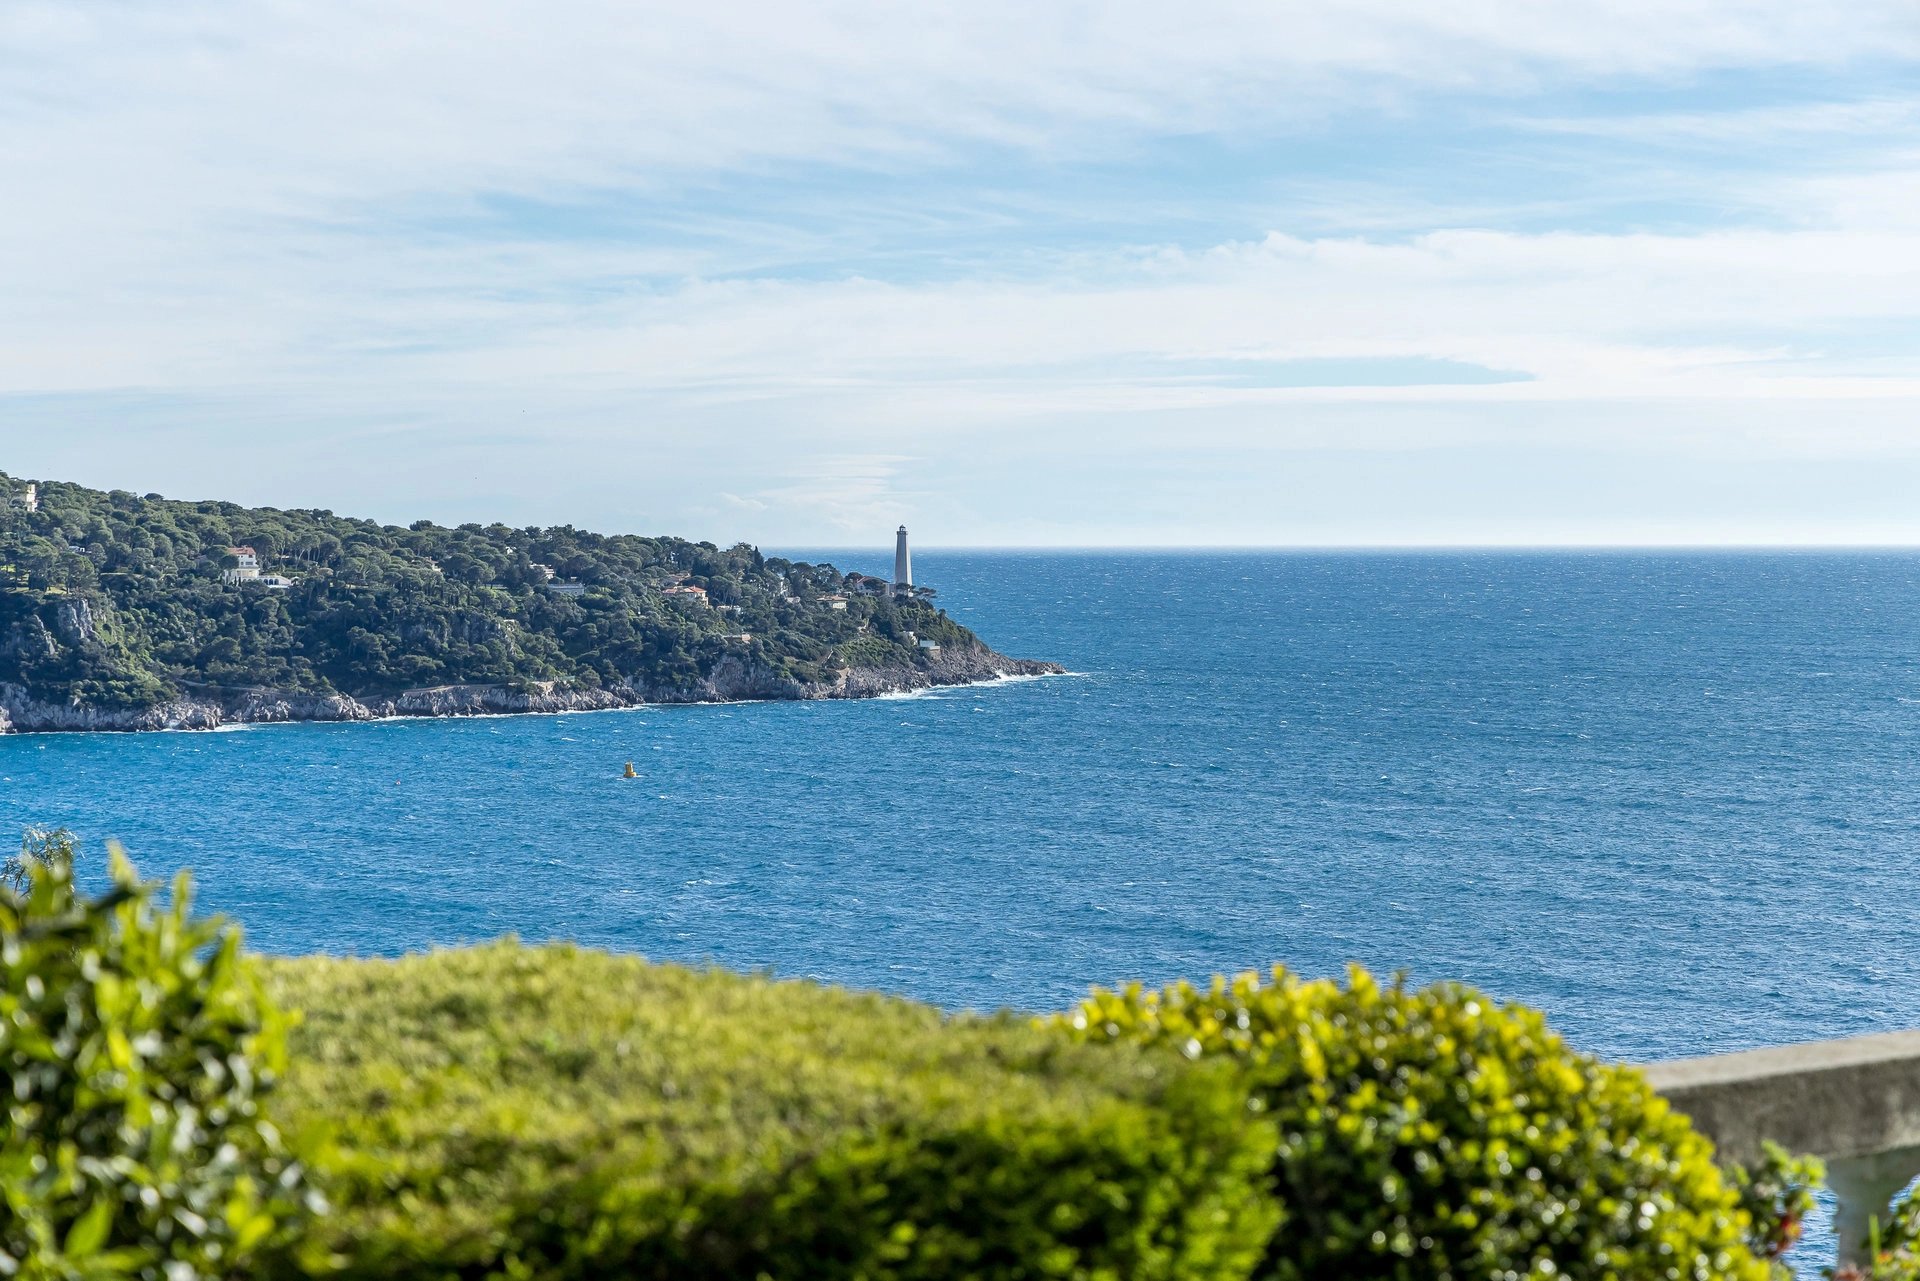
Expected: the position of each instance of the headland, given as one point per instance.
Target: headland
(123, 612)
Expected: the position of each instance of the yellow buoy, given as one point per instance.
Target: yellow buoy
(630, 773)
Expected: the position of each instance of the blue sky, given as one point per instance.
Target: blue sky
(1067, 274)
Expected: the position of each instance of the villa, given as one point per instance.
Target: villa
(245, 570)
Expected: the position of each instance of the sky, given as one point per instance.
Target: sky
(1360, 272)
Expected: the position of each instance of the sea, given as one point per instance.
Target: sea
(1671, 798)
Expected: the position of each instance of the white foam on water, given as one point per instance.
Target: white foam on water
(962, 690)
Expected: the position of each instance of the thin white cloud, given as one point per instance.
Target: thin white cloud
(1589, 316)
(843, 494)
(304, 110)
(1863, 123)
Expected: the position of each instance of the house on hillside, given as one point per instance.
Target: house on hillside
(27, 500)
(686, 592)
(567, 589)
(246, 568)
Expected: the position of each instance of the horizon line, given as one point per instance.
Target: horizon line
(1358, 547)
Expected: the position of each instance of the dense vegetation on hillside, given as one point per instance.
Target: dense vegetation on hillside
(116, 600)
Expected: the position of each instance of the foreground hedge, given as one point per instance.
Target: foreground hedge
(548, 1113)
(1436, 1135)
(554, 1113)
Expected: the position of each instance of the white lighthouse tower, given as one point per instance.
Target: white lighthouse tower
(902, 562)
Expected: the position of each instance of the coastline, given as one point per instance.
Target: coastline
(734, 680)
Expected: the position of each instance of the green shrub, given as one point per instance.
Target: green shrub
(1777, 1195)
(134, 1049)
(1893, 1252)
(555, 1113)
(1437, 1135)
(873, 651)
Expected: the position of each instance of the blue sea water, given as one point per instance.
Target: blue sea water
(1672, 798)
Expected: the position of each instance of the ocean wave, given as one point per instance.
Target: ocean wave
(962, 691)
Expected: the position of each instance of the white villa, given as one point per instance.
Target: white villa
(246, 571)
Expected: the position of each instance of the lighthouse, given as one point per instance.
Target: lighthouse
(902, 561)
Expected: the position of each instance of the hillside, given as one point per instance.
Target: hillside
(119, 611)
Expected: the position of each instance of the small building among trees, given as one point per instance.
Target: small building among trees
(245, 567)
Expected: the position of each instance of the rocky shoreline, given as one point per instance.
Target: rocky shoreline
(734, 680)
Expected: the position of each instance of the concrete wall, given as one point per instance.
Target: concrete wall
(1854, 1103)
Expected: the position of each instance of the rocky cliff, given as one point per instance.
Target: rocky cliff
(733, 679)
